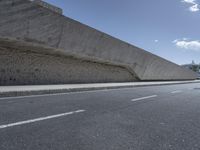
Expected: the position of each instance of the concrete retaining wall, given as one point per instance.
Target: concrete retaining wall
(20, 66)
(24, 20)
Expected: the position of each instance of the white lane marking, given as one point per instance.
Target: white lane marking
(141, 98)
(177, 91)
(39, 119)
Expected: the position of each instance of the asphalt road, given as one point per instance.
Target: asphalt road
(140, 118)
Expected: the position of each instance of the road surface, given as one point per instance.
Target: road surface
(141, 118)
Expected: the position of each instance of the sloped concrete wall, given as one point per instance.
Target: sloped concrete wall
(27, 21)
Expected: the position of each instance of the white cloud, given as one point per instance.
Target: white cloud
(185, 39)
(189, 45)
(189, 1)
(194, 7)
(156, 41)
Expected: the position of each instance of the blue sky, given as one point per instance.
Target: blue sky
(167, 28)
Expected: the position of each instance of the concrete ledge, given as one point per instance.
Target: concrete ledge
(9, 91)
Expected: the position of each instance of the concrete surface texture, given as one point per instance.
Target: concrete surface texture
(25, 20)
(48, 6)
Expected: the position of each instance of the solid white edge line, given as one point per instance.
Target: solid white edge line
(146, 97)
(177, 91)
(39, 119)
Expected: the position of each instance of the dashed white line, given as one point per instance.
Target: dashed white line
(177, 91)
(40, 119)
(141, 98)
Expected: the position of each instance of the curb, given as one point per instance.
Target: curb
(74, 90)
